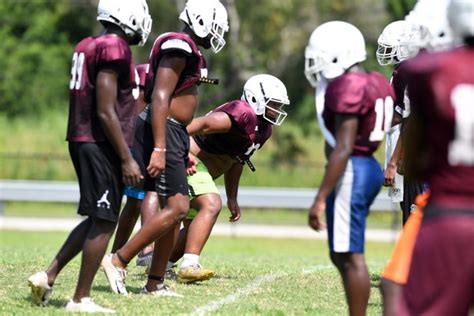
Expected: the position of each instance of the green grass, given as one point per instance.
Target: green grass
(386, 220)
(287, 288)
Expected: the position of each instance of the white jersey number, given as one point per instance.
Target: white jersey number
(461, 149)
(136, 90)
(383, 119)
(76, 71)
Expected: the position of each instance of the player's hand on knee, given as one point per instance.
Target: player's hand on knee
(315, 216)
(131, 174)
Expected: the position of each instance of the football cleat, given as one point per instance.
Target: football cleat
(40, 289)
(162, 290)
(144, 260)
(86, 305)
(115, 275)
(194, 273)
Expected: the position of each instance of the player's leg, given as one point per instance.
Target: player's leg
(355, 278)
(396, 271)
(443, 249)
(178, 250)
(346, 212)
(42, 282)
(149, 206)
(127, 220)
(163, 248)
(93, 250)
(172, 188)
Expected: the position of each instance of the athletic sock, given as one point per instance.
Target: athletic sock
(189, 259)
(170, 265)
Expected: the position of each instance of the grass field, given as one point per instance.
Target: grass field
(254, 277)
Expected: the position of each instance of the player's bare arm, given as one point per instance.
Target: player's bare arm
(169, 71)
(346, 126)
(231, 180)
(392, 165)
(216, 122)
(106, 94)
(414, 140)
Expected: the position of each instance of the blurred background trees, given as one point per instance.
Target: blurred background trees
(38, 36)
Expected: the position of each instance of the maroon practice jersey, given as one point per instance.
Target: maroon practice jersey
(368, 96)
(141, 71)
(176, 43)
(441, 88)
(90, 56)
(246, 135)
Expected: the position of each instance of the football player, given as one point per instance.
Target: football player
(136, 195)
(440, 149)
(358, 110)
(224, 141)
(399, 41)
(102, 113)
(176, 67)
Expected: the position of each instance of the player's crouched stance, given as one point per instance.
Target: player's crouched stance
(358, 111)
(100, 132)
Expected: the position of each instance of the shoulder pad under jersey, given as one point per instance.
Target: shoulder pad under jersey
(177, 44)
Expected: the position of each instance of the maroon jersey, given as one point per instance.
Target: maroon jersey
(246, 135)
(399, 86)
(141, 71)
(441, 88)
(369, 96)
(90, 56)
(176, 43)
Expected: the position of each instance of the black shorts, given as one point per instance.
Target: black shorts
(141, 151)
(99, 172)
(411, 189)
(174, 178)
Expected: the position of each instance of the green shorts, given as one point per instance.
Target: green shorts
(200, 183)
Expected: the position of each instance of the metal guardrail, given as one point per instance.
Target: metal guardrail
(249, 197)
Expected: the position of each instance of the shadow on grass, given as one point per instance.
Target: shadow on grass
(374, 280)
(58, 303)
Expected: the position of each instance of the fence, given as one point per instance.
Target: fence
(249, 197)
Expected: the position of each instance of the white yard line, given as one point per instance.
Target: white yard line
(256, 284)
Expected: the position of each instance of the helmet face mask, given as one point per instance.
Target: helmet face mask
(267, 95)
(399, 40)
(131, 16)
(330, 58)
(208, 20)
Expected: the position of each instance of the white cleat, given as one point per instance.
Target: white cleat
(162, 290)
(86, 305)
(40, 289)
(115, 275)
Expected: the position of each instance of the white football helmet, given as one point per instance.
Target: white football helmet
(432, 17)
(207, 18)
(399, 40)
(130, 15)
(332, 49)
(461, 18)
(267, 95)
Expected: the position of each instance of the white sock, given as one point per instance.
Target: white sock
(170, 265)
(189, 259)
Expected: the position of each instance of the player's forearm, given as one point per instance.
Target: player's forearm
(232, 179)
(397, 154)
(159, 114)
(113, 132)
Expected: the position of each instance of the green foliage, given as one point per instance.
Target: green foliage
(39, 36)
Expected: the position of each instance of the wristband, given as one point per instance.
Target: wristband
(158, 149)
